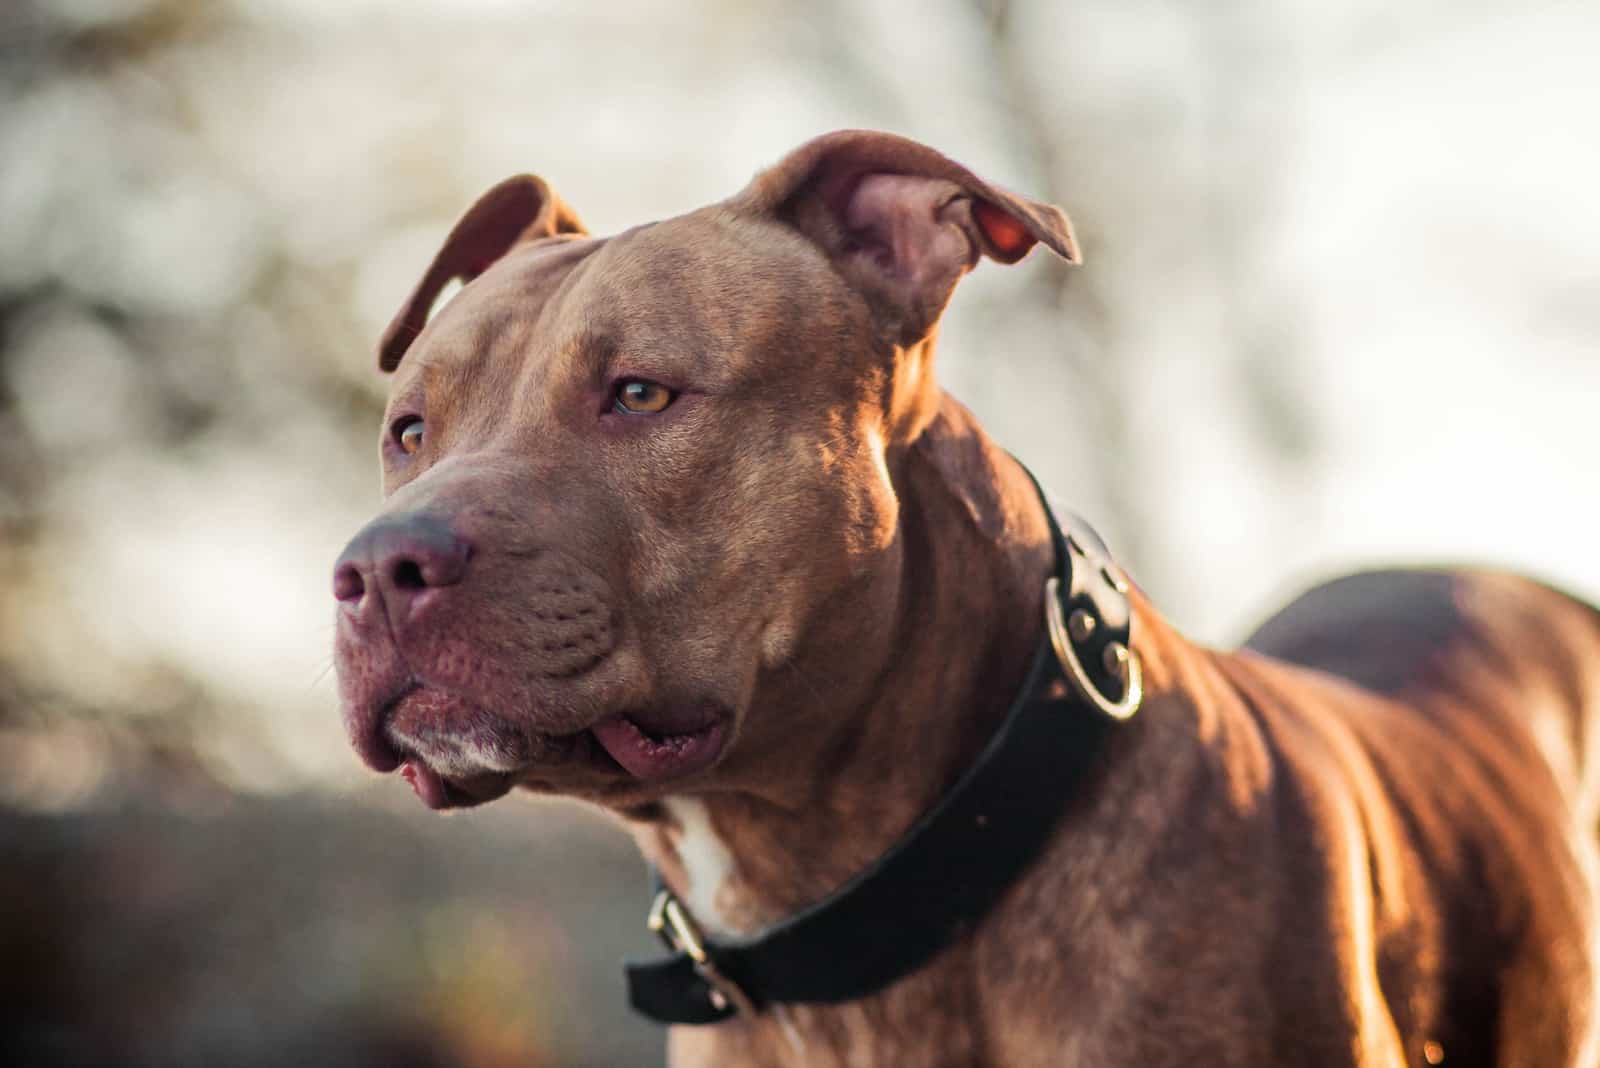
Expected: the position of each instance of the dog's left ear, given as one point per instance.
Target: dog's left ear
(902, 222)
(522, 208)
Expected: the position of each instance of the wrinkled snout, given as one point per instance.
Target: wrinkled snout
(460, 649)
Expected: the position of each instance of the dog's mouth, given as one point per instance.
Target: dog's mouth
(645, 746)
(439, 792)
(663, 744)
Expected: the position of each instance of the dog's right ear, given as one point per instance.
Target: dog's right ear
(519, 209)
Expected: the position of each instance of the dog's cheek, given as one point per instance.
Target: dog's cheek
(778, 641)
(871, 507)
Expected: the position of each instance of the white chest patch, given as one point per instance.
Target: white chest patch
(706, 862)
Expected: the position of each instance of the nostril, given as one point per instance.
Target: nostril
(396, 559)
(347, 583)
(407, 575)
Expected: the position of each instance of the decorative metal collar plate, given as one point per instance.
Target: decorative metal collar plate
(1118, 660)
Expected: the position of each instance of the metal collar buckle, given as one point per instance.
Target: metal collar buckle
(1118, 659)
(671, 922)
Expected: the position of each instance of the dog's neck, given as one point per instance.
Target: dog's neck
(974, 555)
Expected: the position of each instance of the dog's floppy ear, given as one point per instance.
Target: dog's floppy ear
(902, 222)
(519, 209)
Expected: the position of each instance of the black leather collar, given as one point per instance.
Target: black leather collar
(951, 868)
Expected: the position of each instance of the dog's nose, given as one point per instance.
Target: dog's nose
(399, 557)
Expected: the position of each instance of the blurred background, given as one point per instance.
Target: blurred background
(1341, 304)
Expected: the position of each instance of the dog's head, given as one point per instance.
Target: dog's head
(640, 516)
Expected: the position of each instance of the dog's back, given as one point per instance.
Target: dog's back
(1483, 903)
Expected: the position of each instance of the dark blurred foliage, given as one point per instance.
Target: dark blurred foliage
(247, 931)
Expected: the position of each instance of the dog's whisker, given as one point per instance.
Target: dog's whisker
(322, 673)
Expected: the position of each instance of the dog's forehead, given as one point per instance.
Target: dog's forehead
(731, 268)
(705, 296)
(720, 290)
(504, 301)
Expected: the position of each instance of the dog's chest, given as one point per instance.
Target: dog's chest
(707, 864)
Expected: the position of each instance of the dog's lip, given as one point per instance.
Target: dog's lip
(439, 792)
(385, 753)
(371, 741)
(427, 784)
(646, 744)
(662, 744)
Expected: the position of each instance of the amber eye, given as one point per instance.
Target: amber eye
(638, 397)
(409, 435)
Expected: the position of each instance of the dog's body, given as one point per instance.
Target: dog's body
(1278, 865)
(769, 612)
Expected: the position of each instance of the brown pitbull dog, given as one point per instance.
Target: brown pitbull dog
(680, 523)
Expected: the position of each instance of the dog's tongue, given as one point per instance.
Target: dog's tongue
(658, 756)
(426, 782)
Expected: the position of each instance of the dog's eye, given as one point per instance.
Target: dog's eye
(408, 432)
(638, 397)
